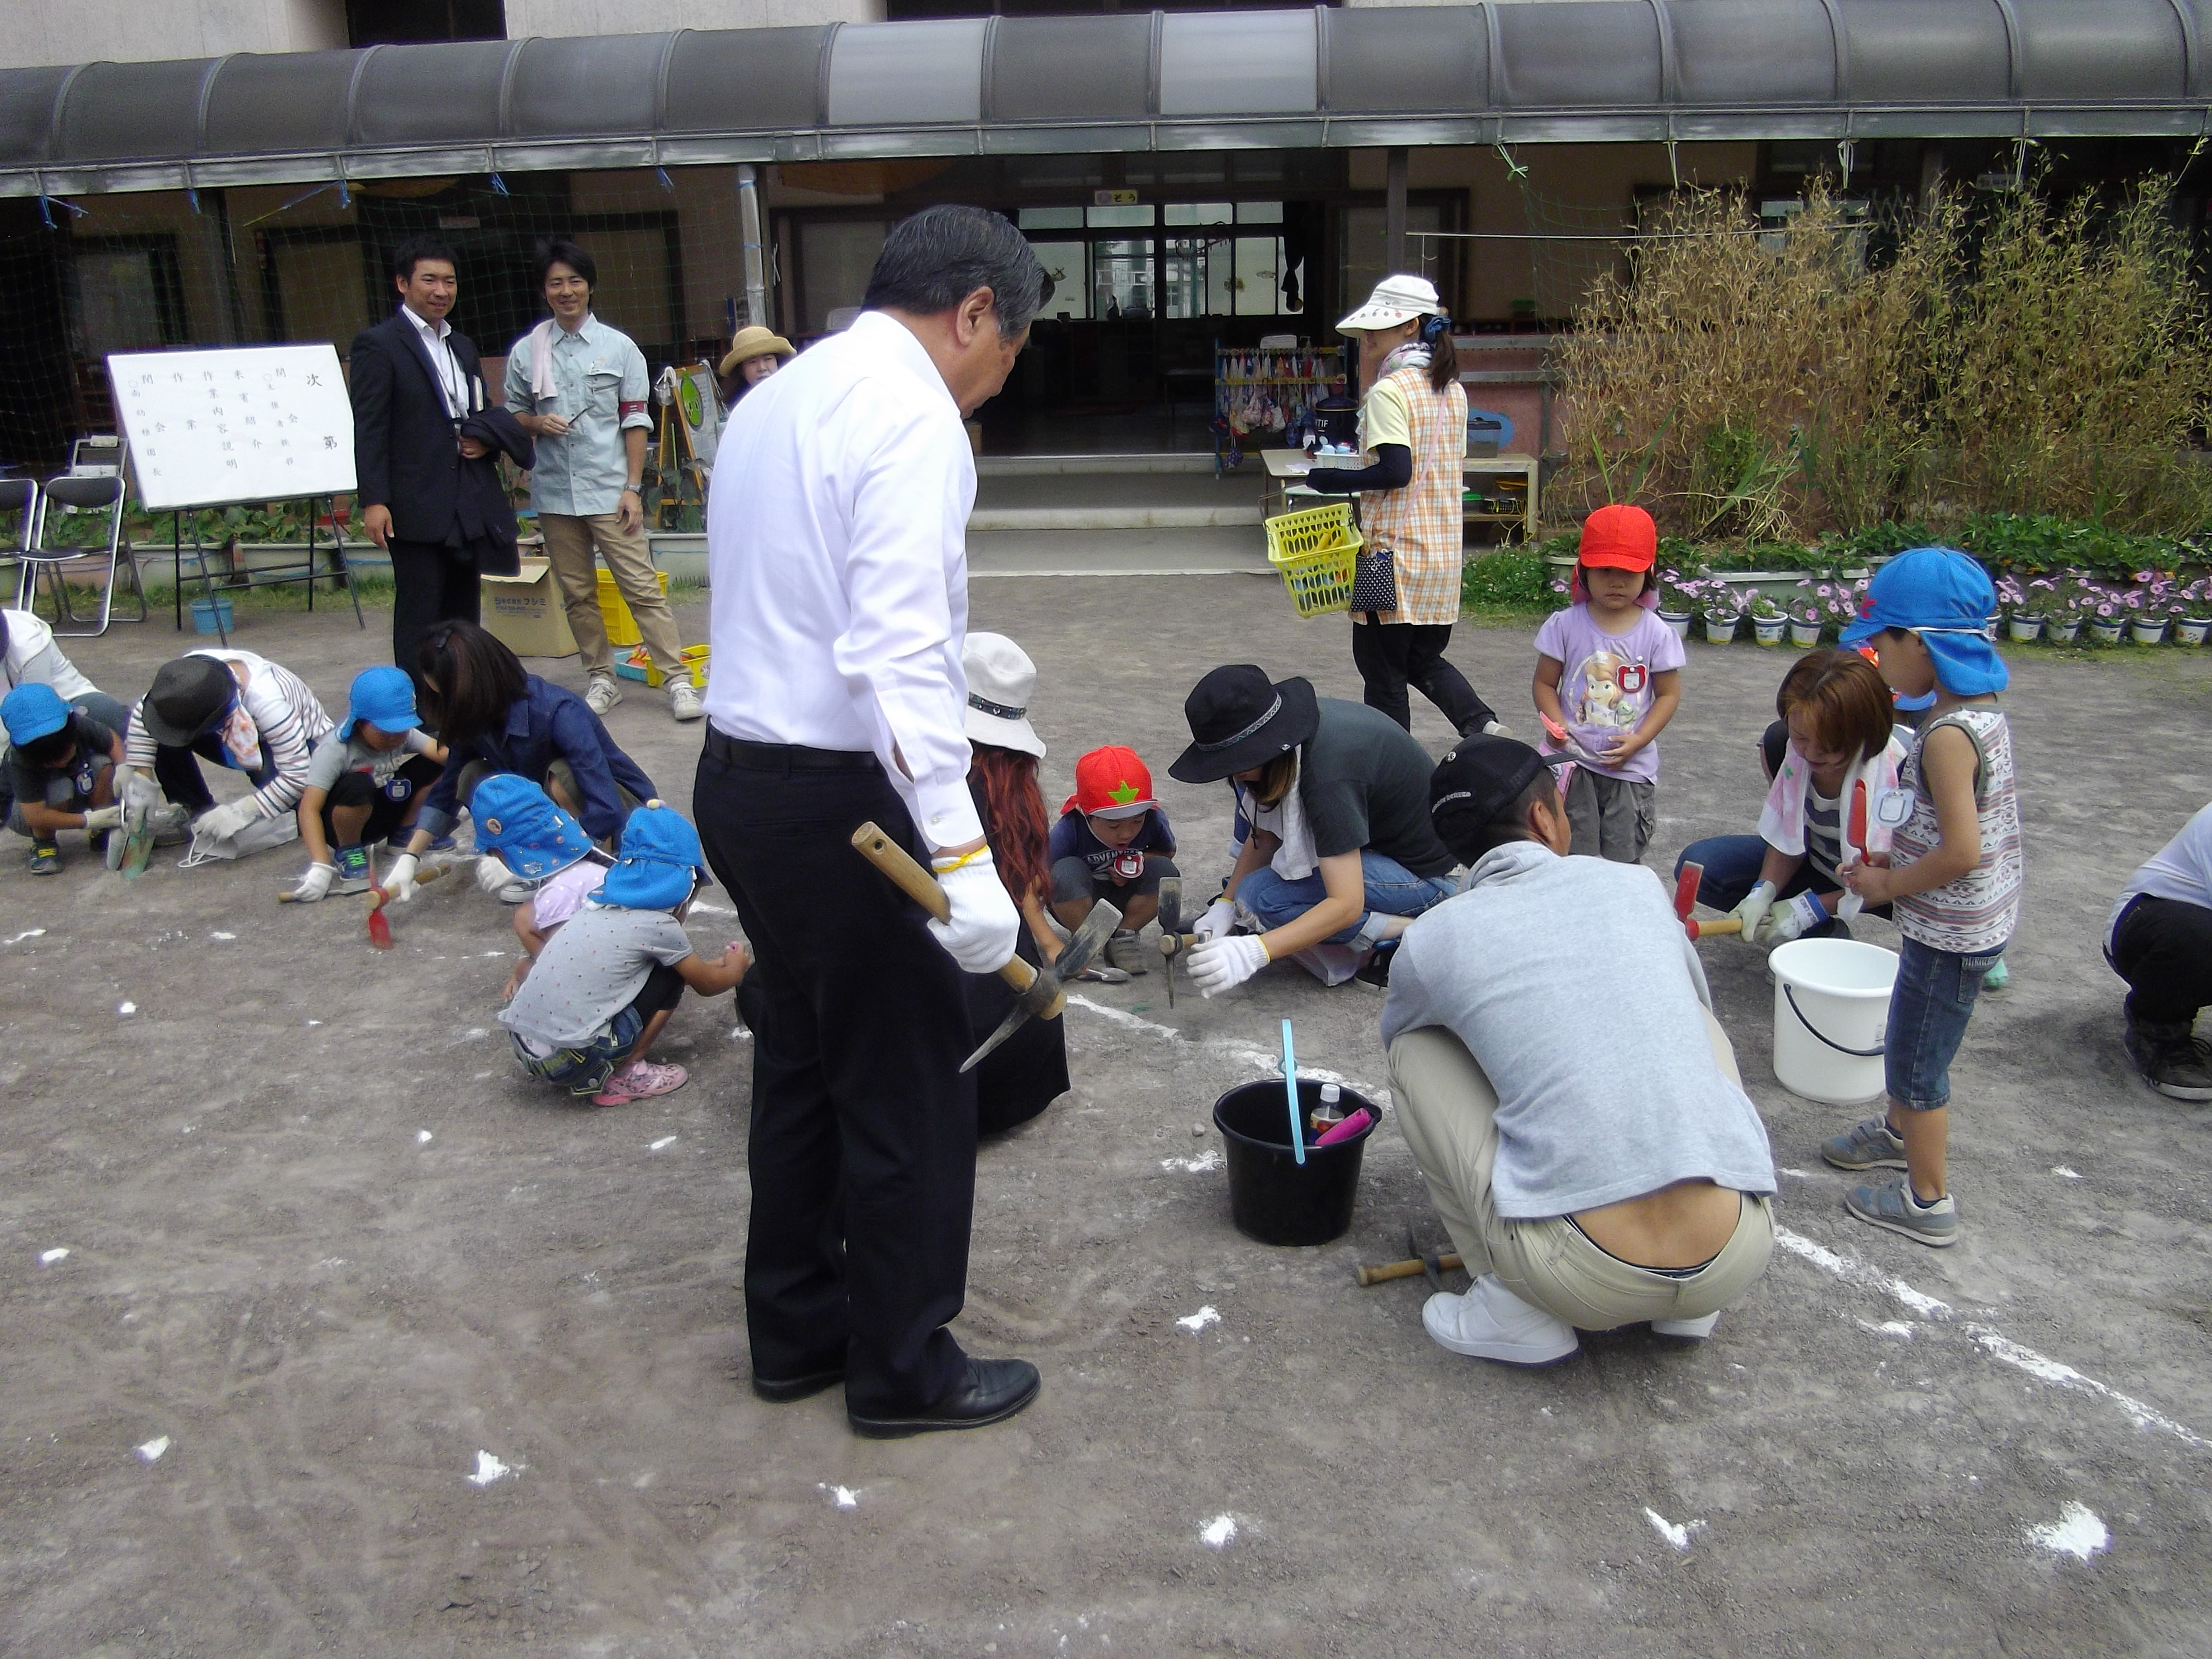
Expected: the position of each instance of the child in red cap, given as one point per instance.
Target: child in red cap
(1112, 843)
(1608, 674)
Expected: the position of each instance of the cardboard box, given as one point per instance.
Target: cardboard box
(525, 612)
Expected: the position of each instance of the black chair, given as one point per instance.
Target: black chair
(110, 566)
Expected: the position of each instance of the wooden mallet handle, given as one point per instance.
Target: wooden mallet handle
(1411, 1268)
(918, 885)
(1717, 926)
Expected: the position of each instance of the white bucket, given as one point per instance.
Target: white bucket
(1831, 1011)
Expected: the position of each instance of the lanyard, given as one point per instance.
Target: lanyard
(453, 385)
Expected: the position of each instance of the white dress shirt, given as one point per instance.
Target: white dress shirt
(450, 380)
(836, 552)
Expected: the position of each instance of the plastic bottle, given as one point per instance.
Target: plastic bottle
(1330, 1112)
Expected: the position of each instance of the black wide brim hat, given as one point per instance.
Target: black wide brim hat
(189, 695)
(1239, 719)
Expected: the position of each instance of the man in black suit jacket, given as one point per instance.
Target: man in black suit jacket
(414, 380)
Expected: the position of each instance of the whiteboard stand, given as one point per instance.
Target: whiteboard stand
(230, 579)
(234, 426)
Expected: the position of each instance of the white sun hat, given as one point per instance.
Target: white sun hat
(1000, 680)
(1395, 299)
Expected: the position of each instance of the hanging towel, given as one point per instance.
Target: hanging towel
(1781, 821)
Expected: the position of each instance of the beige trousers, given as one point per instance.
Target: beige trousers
(1447, 1112)
(569, 541)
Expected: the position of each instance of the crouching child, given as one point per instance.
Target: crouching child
(365, 783)
(600, 995)
(62, 772)
(526, 838)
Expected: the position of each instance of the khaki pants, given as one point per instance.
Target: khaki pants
(569, 544)
(1447, 1111)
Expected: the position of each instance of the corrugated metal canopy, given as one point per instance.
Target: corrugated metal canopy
(1543, 70)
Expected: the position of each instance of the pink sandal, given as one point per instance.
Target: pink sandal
(641, 1080)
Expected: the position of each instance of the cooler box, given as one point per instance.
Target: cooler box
(622, 627)
(524, 613)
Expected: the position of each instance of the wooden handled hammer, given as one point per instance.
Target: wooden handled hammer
(1686, 897)
(1039, 993)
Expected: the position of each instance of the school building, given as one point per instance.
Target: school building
(1197, 179)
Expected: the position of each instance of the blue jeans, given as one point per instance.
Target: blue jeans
(1391, 890)
(1929, 1008)
(1732, 864)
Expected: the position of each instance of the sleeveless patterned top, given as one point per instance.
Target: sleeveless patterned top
(1977, 913)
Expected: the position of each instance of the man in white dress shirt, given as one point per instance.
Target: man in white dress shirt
(836, 549)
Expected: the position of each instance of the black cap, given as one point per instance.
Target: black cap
(1239, 719)
(1477, 783)
(190, 695)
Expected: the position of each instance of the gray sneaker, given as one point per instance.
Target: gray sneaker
(1124, 951)
(1869, 1146)
(1890, 1206)
(602, 694)
(2171, 1060)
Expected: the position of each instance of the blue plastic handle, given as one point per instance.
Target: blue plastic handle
(1290, 1088)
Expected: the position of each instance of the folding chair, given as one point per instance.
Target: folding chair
(19, 495)
(97, 492)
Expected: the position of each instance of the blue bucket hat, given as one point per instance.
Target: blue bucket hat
(31, 712)
(518, 821)
(660, 859)
(1944, 596)
(385, 697)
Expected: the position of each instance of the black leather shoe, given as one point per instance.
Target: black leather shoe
(782, 1392)
(993, 1391)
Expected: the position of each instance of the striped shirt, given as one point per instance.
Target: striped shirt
(1976, 914)
(285, 713)
(1824, 832)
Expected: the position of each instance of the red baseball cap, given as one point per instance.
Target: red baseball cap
(1111, 783)
(1620, 537)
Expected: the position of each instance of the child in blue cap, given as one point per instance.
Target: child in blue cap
(588, 1012)
(526, 838)
(1953, 872)
(366, 782)
(61, 770)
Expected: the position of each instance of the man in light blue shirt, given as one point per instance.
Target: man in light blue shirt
(580, 389)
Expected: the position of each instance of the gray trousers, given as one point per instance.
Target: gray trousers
(1611, 818)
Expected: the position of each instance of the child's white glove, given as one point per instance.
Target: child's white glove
(1219, 917)
(1753, 909)
(981, 933)
(314, 884)
(398, 882)
(492, 875)
(102, 817)
(1220, 965)
(1793, 920)
(221, 822)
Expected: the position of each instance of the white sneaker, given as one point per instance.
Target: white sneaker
(515, 892)
(1696, 1330)
(684, 700)
(602, 694)
(1490, 1322)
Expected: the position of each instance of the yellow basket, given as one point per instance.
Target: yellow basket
(1314, 548)
(640, 663)
(622, 627)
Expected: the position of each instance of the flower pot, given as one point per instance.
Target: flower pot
(1677, 620)
(1719, 630)
(1804, 634)
(2147, 630)
(1769, 629)
(2191, 630)
(2061, 631)
(2024, 628)
(2105, 631)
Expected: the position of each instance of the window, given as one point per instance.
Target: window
(125, 299)
(1068, 265)
(380, 22)
(834, 259)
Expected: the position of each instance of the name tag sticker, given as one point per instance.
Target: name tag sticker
(1893, 807)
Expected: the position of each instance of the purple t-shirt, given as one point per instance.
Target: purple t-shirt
(1605, 684)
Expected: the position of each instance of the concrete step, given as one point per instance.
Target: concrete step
(1018, 467)
(1214, 551)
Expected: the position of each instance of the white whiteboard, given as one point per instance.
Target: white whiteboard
(236, 423)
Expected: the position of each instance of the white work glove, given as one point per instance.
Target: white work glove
(984, 924)
(492, 876)
(1219, 916)
(102, 817)
(398, 882)
(1792, 921)
(314, 884)
(1752, 911)
(141, 796)
(221, 822)
(1218, 964)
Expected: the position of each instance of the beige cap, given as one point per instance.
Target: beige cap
(754, 341)
(1396, 300)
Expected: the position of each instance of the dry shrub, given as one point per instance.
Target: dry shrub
(1762, 386)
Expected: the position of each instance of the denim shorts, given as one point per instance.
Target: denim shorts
(1929, 1008)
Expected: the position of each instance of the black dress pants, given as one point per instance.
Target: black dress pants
(431, 583)
(2163, 948)
(862, 1148)
(1390, 656)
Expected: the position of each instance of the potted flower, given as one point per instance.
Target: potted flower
(2147, 605)
(1805, 617)
(2103, 612)
(2023, 622)
(1721, 605)
(2064, 600)
(1767, 620)
(2192, 620)
(1676, 606)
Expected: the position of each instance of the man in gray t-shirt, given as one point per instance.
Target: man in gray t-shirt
(1572, 1102)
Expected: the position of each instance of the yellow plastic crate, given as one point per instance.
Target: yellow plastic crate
(638, 666)
(1314, 548)
(622, 627)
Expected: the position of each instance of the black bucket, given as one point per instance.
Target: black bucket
(1271, 1197)
(1337, 420)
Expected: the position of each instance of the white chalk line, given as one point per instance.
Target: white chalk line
(2042, 1367)
(1250, 1053)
